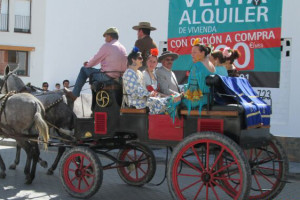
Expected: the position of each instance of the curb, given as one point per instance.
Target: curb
(8, 142)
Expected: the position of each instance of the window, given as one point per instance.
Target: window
(3, 15)
(23, 16)
(15, 56)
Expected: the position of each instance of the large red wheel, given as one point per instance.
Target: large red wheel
(81, 172)
(193, 171)
(142, 167)
(269, 166)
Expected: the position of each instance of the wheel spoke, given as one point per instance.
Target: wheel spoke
(197, 156)
(85, 181)
(90, 175)
(191, 165)
(257, 182)
(142, 170)
(198, 192)
(73, 179)
(189, 175)
(216, 161)
(207, 156)
(213, 189)
(257, 155)
(130, 158)
(136, 173)
(225, 167)
(265, 177)
(71, 170)
(207, 191)
(79, 184)
(74, 161)
(191, 185)
(224, 189)
(134, 154)
(140, 156)
(267, 168)
(81, 161)
(227, 178)
(89, 165)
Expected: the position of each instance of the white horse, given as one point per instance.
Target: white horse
(21, 118)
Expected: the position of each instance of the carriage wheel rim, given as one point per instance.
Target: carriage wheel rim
(277, 179)
(210, 182)
(81, 173)
(138, 173)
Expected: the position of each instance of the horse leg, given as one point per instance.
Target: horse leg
(35, 157)
(3, 168)
(43, 163)
(17, 159)
(27, 148)
(60, 152)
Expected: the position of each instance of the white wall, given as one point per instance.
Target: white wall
(290, 15)
(74, 30)
(34, 39)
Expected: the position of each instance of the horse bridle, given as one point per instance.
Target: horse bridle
(4, 84)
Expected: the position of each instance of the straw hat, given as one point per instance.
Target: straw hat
(167, 54)
(145, 25)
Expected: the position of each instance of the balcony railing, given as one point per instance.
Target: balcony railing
(22, 24)
(3, 22)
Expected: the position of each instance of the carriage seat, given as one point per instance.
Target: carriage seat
(133, 111)
(217, 110)
(114, 84)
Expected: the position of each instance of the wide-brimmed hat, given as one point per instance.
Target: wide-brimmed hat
(111, 30)
(167, 54)
(145, 25)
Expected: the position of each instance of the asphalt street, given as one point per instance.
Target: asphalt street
(50, 187)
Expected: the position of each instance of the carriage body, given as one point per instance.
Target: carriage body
(232, 160)
(112, 120)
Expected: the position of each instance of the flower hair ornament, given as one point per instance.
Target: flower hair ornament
(196, 42)
(227, 52)
(135, 49)
(154, 52)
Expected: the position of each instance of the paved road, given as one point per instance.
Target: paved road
(50, 187)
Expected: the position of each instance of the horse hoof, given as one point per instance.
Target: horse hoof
(49, 172)
(12, 167)
(44, 164)
(2, 175)
(28, 182)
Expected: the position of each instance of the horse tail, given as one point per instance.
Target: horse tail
(41, 125)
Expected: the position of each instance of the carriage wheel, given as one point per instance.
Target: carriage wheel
(142, 168)
(269, 166)
(193, 172)
(81, 172)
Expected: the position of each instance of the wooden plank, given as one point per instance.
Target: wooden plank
(133, 110)
(211, 113)
(16, 48)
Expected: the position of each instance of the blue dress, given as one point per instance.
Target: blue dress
(221, 70)
(196, 91)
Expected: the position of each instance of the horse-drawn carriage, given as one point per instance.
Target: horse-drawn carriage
(215, 155)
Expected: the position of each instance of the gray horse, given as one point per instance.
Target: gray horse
(58, 113)
(21, 119)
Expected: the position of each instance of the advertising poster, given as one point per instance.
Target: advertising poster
(251, 26)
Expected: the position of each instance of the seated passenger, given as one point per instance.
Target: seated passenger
(218, 60)
(166, 79)
(196, 90)
(149, 73)
(231, 55)
(134, 90)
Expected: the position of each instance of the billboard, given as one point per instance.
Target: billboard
(251, 26)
